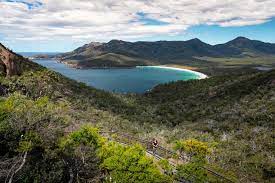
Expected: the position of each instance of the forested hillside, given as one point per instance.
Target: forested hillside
(50, 129)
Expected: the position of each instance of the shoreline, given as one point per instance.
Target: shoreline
(199, 74)
(172, 67)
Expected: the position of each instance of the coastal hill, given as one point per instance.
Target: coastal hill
(118, 53)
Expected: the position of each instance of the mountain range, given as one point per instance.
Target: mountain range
(118, 53)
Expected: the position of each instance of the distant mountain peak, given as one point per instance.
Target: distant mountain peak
(195, 40)
(240, 38)
(240, 42)
(94, 44)
(116, 41)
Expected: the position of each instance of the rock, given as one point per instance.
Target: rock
(10, 61)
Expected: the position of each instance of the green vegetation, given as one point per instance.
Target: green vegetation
(130, 164)
(226, 123)
(251, 61)
(196, 153)
(233, 65)
(34, 128)
(192, 148)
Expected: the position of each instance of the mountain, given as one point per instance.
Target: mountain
(118, 53)
(242, 46)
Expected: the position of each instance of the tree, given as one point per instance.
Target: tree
(79, 152)
(192, 147)
(129, 164)
(196, 152)
(29, 130)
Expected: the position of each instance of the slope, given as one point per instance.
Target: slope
(235, 113)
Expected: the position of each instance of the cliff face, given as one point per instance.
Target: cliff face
(11, 62)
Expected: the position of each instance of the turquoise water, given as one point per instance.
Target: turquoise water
(135, 80)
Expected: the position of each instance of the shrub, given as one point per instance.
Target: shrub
(79, 151)
(129, 164)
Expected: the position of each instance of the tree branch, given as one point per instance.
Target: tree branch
(19, 168)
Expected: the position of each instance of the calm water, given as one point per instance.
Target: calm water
(30, 54)
(136, 80)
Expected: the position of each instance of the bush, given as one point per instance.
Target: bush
(79, 150)
(192, 147)
(129, 164)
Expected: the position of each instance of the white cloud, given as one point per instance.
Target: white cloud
(102, 20)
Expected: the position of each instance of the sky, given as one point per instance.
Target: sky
(63, 25)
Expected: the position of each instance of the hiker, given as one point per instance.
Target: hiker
(155, 145)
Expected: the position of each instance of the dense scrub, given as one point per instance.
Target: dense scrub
(35, 148)
(40, 108)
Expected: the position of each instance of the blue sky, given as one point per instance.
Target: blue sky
(214, 34)
(59, 26)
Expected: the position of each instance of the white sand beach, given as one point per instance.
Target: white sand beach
(201, 75)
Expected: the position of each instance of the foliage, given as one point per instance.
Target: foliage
(129, 164)
(32, 126)
(192, 147)
(28, 141)
(236, 111)
(166, 167)
(79, 151)
(193, 172)
(197, 152)
(87, 136)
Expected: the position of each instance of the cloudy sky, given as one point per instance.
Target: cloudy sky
(62, 25)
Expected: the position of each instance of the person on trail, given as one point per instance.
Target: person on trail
(155, 145)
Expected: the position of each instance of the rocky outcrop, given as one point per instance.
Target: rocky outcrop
(10, 61)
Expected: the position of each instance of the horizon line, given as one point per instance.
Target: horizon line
(238, 37)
